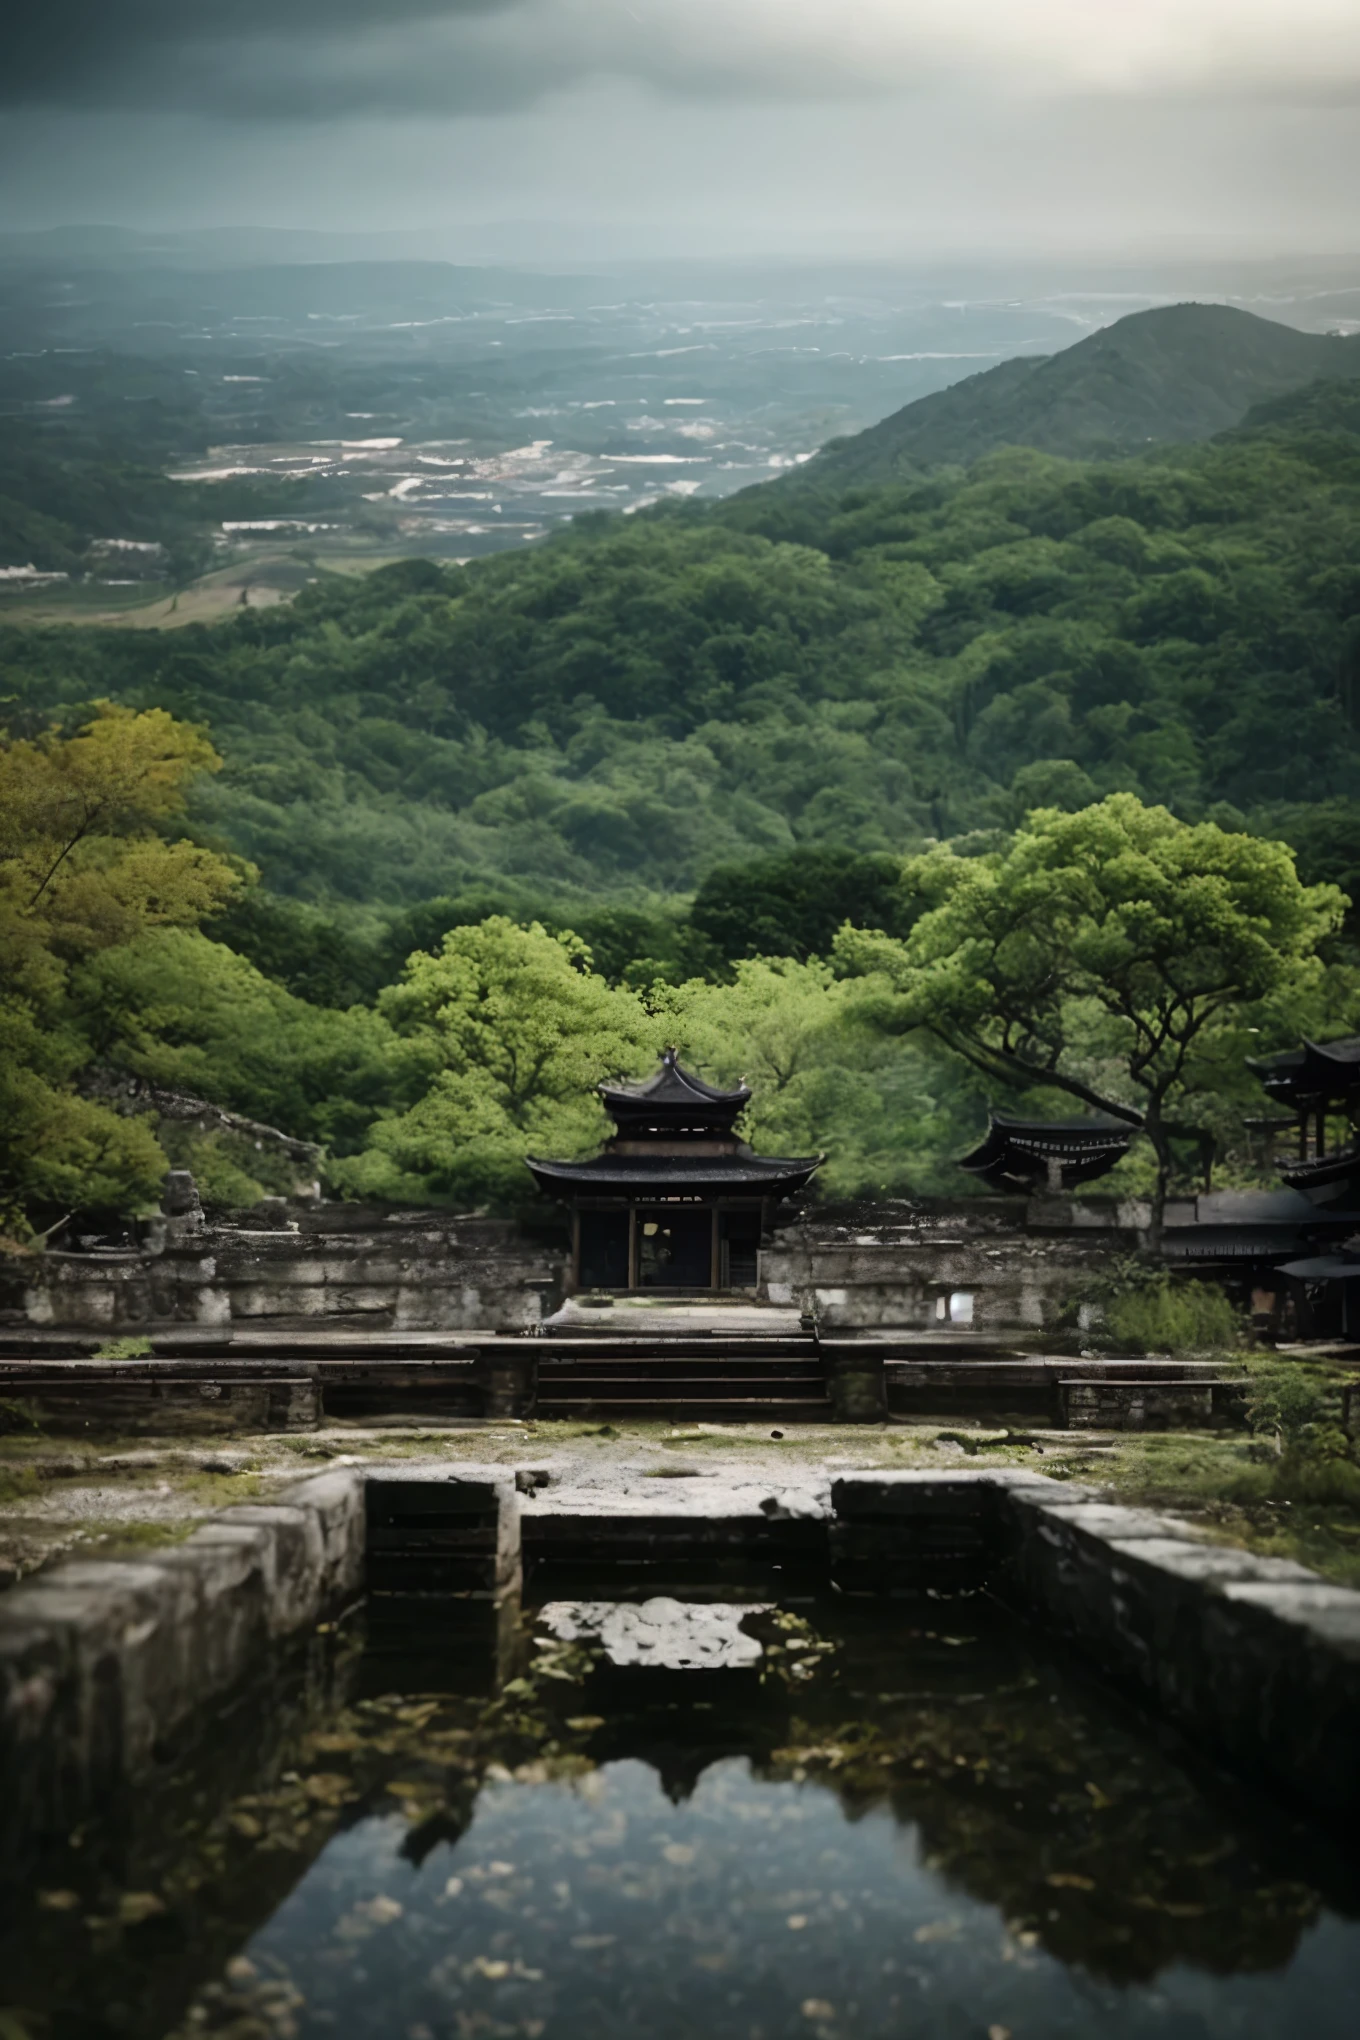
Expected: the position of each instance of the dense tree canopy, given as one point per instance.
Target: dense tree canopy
(515, 1031)
(793, 905)
(1116, 956)
(626, 786)
(631, 705)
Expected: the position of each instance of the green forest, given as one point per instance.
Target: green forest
(628, 764)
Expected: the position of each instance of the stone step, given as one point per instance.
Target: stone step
(686, 1371)
(655, 1391)
(575, 1349)
(739, 1366)
(670, 1409)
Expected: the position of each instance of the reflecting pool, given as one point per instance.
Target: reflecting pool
(912, 1820)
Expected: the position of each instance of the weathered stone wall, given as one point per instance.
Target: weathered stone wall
(979, 1274)
(392, 1271)
(101, 1661)
(1256, 1657)
(979, 1269)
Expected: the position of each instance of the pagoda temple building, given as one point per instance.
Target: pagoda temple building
(675, 1199)
(1319, 1087)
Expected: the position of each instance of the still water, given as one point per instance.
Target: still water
(914, 1822)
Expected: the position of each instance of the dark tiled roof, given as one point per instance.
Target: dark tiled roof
(1323, 1170)
(1329, 1068)
(1327, 1268)
(1018, 1149)
(633, 1175)
(1229, 1243)
(674, 1087)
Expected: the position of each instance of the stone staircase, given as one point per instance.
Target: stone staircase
(752, 1378)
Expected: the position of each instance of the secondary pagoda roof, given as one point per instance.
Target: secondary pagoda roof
(1016, 1153)
(1336, 1172)
(1315, 1073)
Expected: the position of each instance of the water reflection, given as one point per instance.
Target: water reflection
(915, 1823)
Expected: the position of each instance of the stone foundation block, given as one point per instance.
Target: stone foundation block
(508, 1382)
(232, 1569)
(442, 1535)
(41, 1784)
(1149, 1405)
(102, 1662)
(295, 1563)
(294, 1406)
(112, 1676)
(856, 1384)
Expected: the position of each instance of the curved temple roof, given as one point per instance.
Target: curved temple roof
(1316, 1070)
(637, 1176)
(673, 1088)
(675, 1139)
(1327, 1178)
(1016, 1153)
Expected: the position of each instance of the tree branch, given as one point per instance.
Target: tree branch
(1014, 1069)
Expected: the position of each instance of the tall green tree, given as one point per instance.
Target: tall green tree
(1116, 955)
(517, 1030)
(885, 1112)
(794, 904)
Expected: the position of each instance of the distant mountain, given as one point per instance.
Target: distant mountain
(1181, 373)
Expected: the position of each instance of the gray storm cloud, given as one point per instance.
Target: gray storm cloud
(317, 59)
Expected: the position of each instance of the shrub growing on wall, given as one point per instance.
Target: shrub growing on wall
(1142, 1309)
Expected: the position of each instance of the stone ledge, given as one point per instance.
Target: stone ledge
(103, 1660)
(1256, 1657)
(888, 1494)
(1107, 1521)
(1218, 1564)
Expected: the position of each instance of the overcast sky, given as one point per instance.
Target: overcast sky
(900, 126)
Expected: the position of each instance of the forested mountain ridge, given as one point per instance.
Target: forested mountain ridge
(1178, 374)
(619, 710)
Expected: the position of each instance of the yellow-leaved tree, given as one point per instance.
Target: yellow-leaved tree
(88, 862)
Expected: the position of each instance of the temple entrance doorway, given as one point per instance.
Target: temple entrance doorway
(700, 1246)
(675, 1248)
(604, 1250)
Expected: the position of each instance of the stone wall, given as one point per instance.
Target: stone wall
(973, 1271)
(1255, 1657)
(297, 1265)
(981, 1274)
(102, 1661)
